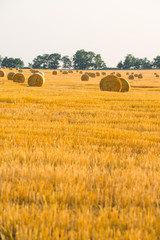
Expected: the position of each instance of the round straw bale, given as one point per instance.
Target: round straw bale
(42, 73)
(4, 67)
(125, 85)
(140, 75)
(97, 74)
(81, 72)
(65, 72)
(111, 83)
(118, 74)
(10, 68)
(10, 75)
(127, 73)
(103, 73)
(131, 77)
(157, 75)
(54, 73)
(19, 78)
(92, 75)
(70, 71)
(60, 70)
(36, 80)
(136, 75)
(85, 77)
(17, 68)
(77, 71)
(20, 70)
(2, 73)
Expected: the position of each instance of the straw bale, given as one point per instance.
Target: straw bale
(10, 75)
(125, 85)
(2, 73)
(85, 77)
(111, 83)
(54, 73)
(19, 78)
(118, 74)
(131, 77)
(36, 80)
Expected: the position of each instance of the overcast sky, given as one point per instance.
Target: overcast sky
(112, 28)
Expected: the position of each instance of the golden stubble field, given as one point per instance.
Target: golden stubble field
(78, 163)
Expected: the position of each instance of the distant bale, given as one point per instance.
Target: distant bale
(125, 85)
(112, 73)
(86, 72)
(65, 72)
(2, 73)
(77, 71)
(60, 70)
(135, 75)
(118, 74)
(70, 71)
(81, 72)
(103, 73)
(140, 76)
(10, 68)
(97, 74)
(132, 73)
(36, 80)
(54, 73)
(85, 77)
(92, 75)
(4, 67)
(17, 68)
(127, 73)
(111, 83)
(20, 70)
(157, 75)
(19, 78)
(10, 75)
(131, 77)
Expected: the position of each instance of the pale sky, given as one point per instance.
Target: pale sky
(112, 28)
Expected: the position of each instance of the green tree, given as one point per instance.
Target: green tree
(67, 63)
(99, 63)
(12, 62)
(120, 65)
(41, 61)
(54, 61)
(156, 62)
(87, 60)
(129, 62)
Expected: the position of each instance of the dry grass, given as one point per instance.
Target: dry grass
(78, 163)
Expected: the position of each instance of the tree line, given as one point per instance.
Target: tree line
(131, 62)
(80, 60)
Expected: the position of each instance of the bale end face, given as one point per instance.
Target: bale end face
(36, 80)
(2, 73)
(10, 75)
(19, 78)
(111, 83)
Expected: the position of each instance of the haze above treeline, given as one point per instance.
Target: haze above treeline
(80, 60)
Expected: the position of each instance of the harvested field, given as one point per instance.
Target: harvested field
(77, 162)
